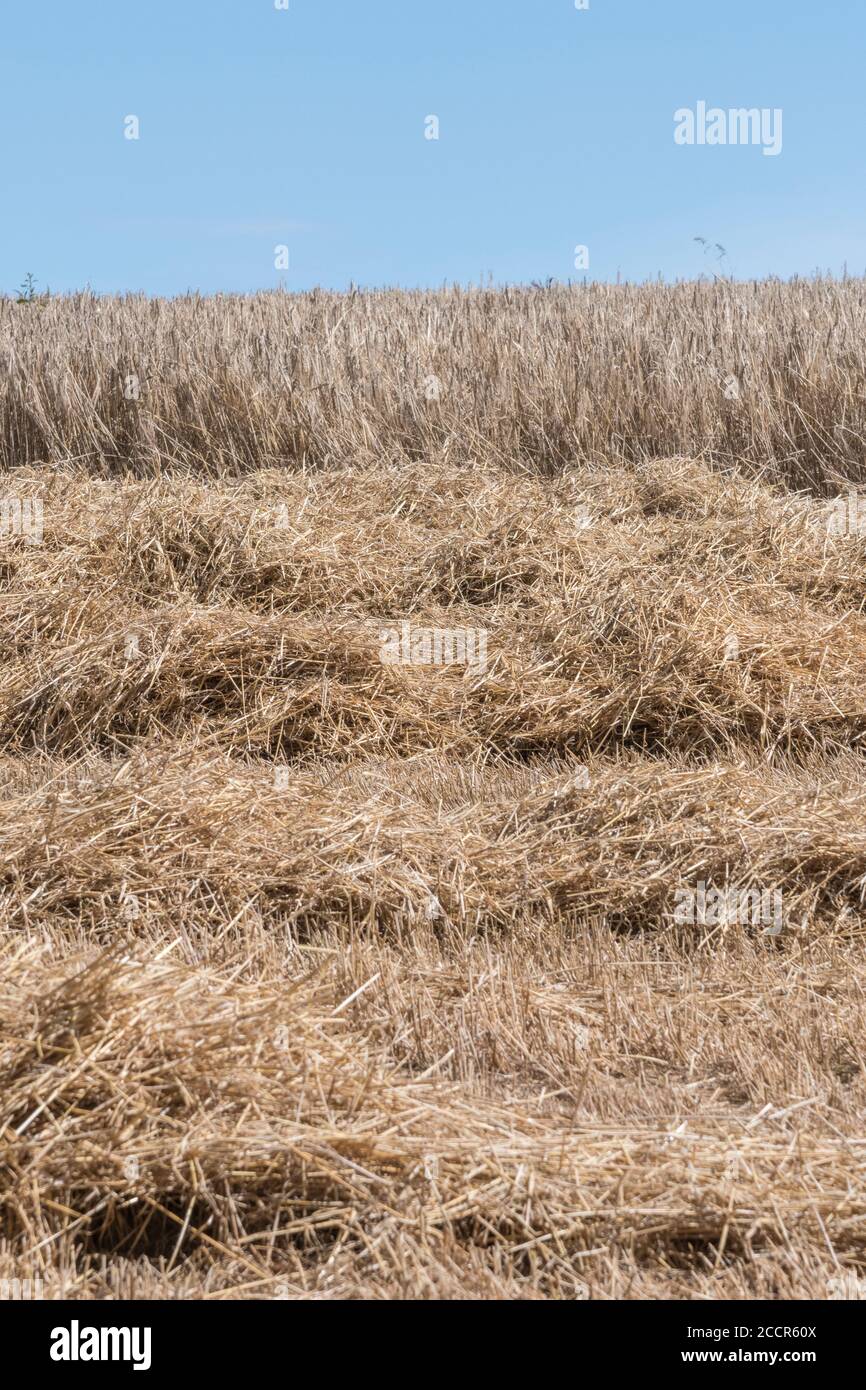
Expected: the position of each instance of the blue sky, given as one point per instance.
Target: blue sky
(262, 127)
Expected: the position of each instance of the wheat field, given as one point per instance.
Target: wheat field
(330, 969)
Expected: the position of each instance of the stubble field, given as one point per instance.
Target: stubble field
(323, 975)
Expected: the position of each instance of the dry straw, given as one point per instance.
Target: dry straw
(327, 977)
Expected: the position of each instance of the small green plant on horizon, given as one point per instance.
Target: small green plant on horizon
(27, 290)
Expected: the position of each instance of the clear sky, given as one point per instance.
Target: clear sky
(305, 127)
